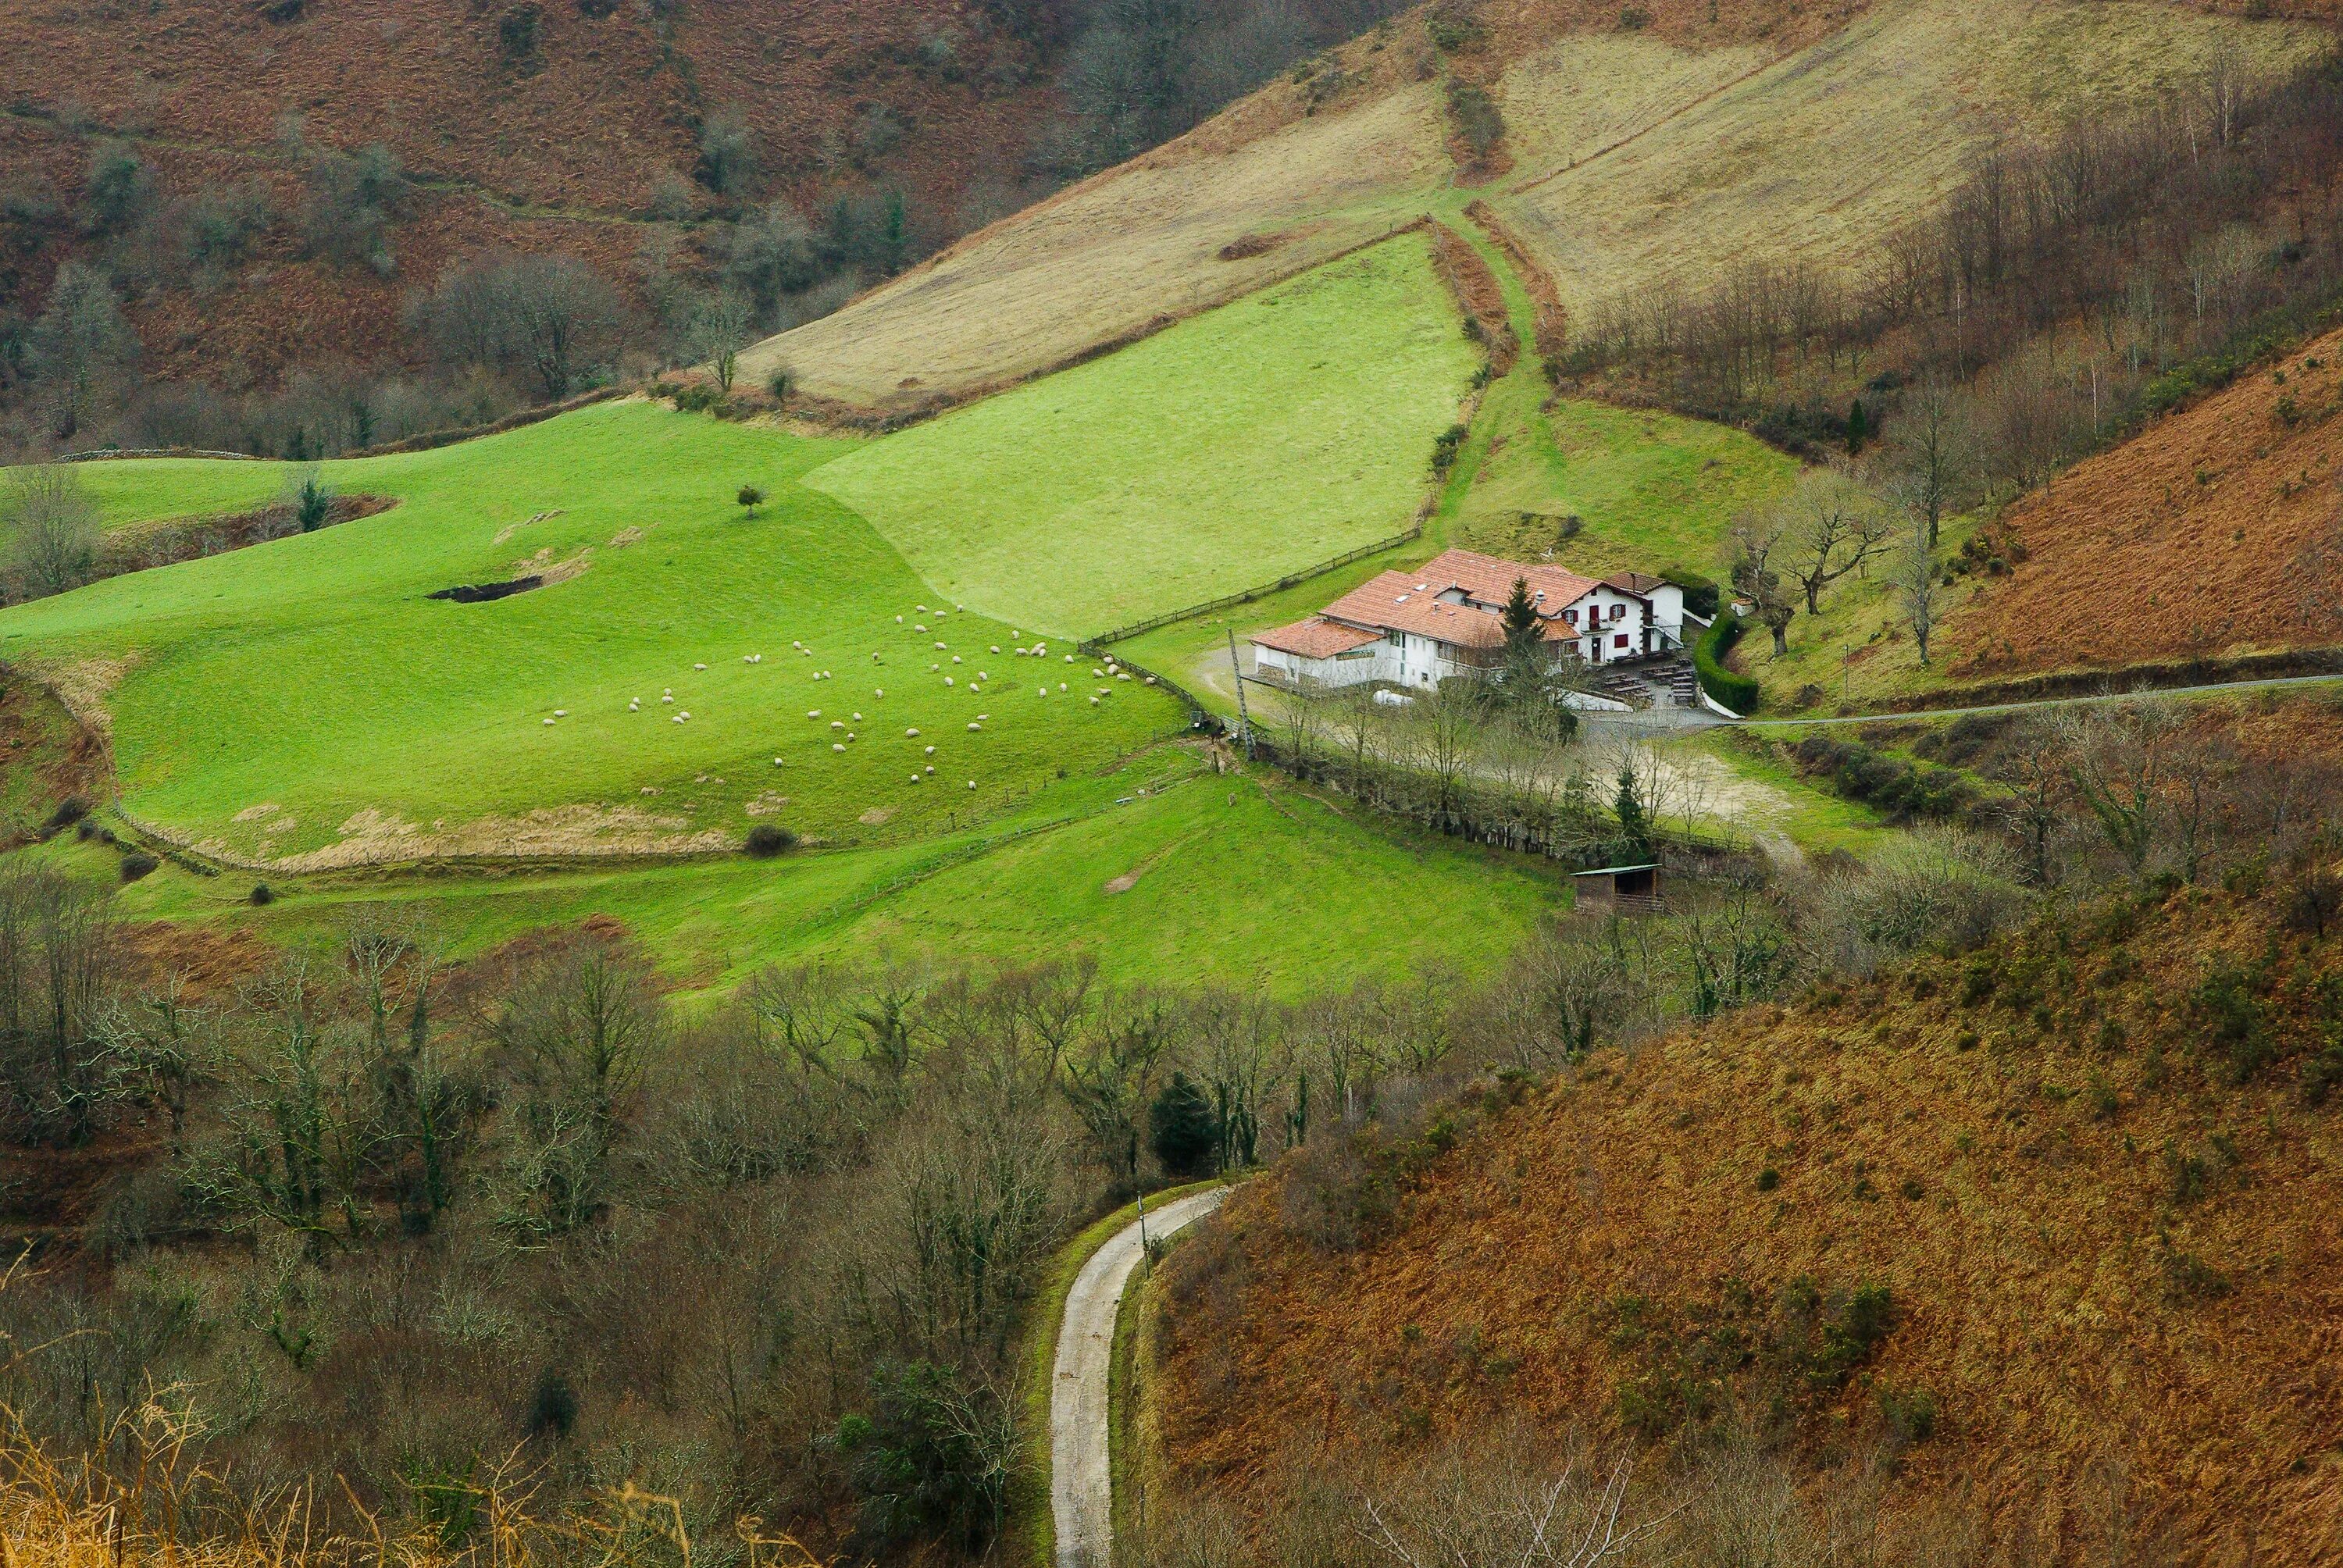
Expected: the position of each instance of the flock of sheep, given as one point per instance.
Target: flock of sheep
(1106, 671)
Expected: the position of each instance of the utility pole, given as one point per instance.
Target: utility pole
(1245, 718)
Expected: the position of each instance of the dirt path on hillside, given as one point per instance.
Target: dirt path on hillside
(1081, 1476)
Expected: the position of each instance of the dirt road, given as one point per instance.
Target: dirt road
(1081, 1497)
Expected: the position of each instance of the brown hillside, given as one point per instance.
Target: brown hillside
(2189, 540)
(2104, 1258)
(560, 151)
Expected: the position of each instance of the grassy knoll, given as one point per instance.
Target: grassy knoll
(1159, 869)
(1241, 444)
(1650, 490)
(303, 703)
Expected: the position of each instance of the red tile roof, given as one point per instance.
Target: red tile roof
(1314, 639)
(1394, 601)
(1489, 580)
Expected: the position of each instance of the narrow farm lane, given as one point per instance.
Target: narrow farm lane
(1082, 1495)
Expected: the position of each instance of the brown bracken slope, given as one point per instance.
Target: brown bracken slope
(2202, 536)
(561, 149)
(2105, 1256)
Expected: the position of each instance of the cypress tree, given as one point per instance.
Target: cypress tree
(1857, 428)
(1182, 1130)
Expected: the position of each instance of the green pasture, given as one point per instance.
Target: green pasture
(1220, 453)
(1161, 870)
(281, 700)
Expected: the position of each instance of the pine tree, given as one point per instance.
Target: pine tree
(1520, 621)
(1857, 428)
(1634, 828)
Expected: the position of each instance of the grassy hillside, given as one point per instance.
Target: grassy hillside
(1160, 870)
(1252, 440)
(2067, 1195)
(302, 703)
(1820, 156)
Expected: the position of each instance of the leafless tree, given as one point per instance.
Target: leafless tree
(1931, 452)
(1833, 525)
(1919, 585)
(51, 528)
(2118, 759)
(82, 348)
(1757, 539)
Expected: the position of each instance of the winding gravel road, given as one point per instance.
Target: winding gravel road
(1081, 1495)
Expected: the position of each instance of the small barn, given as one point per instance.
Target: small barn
(1621, 890)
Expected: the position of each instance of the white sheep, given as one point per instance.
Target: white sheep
(1061, 686)
(777, 762)
(930, 752)
(920, 607)
(920, 627)
(795, 643)
(1070, 659)
(933, 667)
(976, 726)
(931, 767)
(948, 680)
(634, 705)
(561, 713)
(813, 713)
(955, 659)
(1094, 702)
(878, 692)
(899, 620)
(834, 746)
(915, 778)
(699, 667)
(1045, 692)
(996, 647)
(874, 659)
(939, 646)
(858, 719)
(971, 783)
(668, 697)
(1122, 675)
(1098, 674)
(838, 724)
(984, 715)
(681, 717)
(548, 721)
(1151, 680)
(911, 735)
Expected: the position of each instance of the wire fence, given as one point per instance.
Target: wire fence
(1291, 579)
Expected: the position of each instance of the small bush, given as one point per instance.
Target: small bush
(552, 1406)
(1475, 116)
(136, 864)
(1768, 1179)
(261, 895)
(70, 811)
(1910, 1414)
(766, 839)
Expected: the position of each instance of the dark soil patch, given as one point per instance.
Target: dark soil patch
(1249, 245)
(482, 593)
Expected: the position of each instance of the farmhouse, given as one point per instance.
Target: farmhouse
(1445, 619)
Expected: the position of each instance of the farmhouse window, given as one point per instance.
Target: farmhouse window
(1397, 638)
(1617, 611)
(1620, 640)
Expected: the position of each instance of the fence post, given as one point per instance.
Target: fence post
(1244, 716)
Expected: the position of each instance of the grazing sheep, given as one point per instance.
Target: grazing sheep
(699, 667)
(879, 691)
(813, 713)
(834, 746)
(634, 704)
(1098, 674)
(976, 726)
(899, 620)
(912, 735)
(1045, 692)
(920, 607)
(858, 719)
(984, 715)
(939, 646)
(930, 752)
(948, 680)
(955, 659)
(795, 643)
(681, 717)
(921, 627)
(838, 724)
(1061, 686)
(777, 762)
(874, 659)
(561, 713)
(1151, 680)
(971, 783)
(933, 667)
(548, 721)
(1094, 702)
(668, 697)
(996, 647)
(931, 767)
(1070, 659)
(1122, 675)
(915, 778)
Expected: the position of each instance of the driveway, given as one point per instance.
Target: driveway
(1081, 1497)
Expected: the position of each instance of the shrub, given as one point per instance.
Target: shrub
(750, 498)
(1736, 691)
(1910, 1414)
(136, 864)
(261, 895)
(1701, 595)
(1444, 447)
(766, 841)
(552, 1406)
(70, 811)
(1475, 116)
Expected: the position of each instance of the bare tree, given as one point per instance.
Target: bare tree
(552, 318)
(1919, 585)
(1932, 451)
(1756, 539)
(81, 348)
(1833, 525)
(2118, 762)
(722, 324)
(52, 528)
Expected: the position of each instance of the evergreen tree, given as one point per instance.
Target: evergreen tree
(1520, 621)
(1181, 1129)
(1634, 828)
(1859, 428)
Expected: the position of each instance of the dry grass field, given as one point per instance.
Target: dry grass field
(2201, 537)
(1107, 258)
(1818, 156)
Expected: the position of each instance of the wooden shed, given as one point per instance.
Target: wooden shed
(1623, 889)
